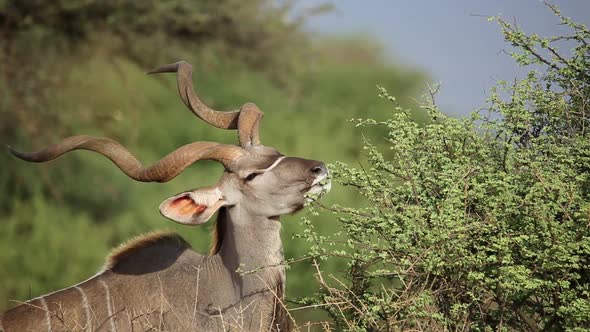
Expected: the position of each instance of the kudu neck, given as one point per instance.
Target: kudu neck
(249, 242)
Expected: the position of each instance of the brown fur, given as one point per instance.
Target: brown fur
(140, 242)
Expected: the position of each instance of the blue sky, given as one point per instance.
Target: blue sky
(448, 39)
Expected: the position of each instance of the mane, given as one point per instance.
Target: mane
(140, 242)
(218, 231)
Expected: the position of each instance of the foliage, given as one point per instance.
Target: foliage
(257, 30)
(474, 224)
(33, 224)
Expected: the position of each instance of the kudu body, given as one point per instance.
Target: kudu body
(156, 282)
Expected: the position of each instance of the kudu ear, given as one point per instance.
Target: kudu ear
(193, 207)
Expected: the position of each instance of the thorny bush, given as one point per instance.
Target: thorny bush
(473, 224)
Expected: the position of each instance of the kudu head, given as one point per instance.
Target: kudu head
(258, 179)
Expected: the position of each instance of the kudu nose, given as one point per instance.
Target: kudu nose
(319, 169)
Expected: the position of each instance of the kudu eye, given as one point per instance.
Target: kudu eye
(251, 176)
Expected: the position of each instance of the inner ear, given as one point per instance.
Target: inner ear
(193, 207)
(186, 206)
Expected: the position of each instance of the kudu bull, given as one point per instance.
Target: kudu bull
(156, 282)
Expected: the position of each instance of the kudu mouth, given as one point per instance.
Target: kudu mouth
(319, 187)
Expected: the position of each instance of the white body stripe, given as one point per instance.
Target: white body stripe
(1, 328)
(86, 307)
(42, 299)
(63, 289)
(109, 305)
(47, 314)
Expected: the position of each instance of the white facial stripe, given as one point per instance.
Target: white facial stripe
(275, 164)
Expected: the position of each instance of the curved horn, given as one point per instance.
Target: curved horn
(163, 170)
(248, 124)
(246, 120)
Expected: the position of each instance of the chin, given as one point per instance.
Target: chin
(297, 208)
(294, 209)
